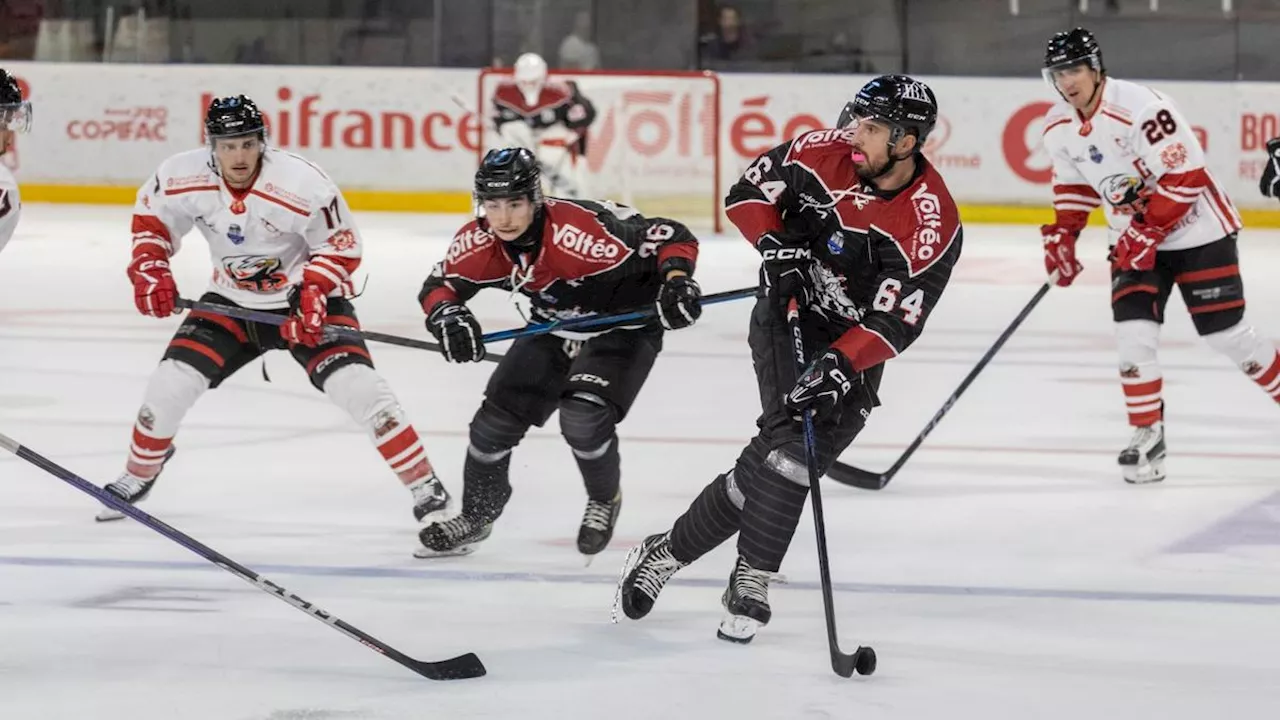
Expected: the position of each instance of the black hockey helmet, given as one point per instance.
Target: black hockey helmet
(904, 103)
(1070, 48)
(15, 113)
(232, 117)
(508, 173)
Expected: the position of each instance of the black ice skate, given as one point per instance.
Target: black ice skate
(646, 570)
(132, 489)
(1143, 461)
(746, 603)
(597, 525)
(429, 497)
(450, 538)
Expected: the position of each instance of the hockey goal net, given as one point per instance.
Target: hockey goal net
(654, 143)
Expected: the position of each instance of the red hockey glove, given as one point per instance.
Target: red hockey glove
(1060, 252)
(154, 291)
(305, 325)
(1136, 248)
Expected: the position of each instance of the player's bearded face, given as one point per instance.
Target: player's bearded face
(1076, 83)
(508, 217)
(870, 146)
(238, 158)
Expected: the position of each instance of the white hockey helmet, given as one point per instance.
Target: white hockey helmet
(531, 75)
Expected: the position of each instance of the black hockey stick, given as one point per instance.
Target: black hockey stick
(864, 658)
(867, 480)
(341, 331)
(463, 666)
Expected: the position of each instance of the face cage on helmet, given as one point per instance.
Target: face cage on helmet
(16, 117)
(1092, 60)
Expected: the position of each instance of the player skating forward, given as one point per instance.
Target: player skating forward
(551, 118)
(1269, 183)
(1127, 148)
(569, 257)
(282, 239)
(858, 227)
(15, 117)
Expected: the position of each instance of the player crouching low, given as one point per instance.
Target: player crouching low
(282, 240)
(569, 257)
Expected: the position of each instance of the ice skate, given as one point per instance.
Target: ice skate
(430, 498)
(132, 489)
(746, 603)
(598, 521)
(1143, 461)
(646, 570)
(452, 538)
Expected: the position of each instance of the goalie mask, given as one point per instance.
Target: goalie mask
(530, 76)
(15, 113)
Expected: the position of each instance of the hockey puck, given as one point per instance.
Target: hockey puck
(864, 660)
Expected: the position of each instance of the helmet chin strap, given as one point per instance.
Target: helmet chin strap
(893, 161)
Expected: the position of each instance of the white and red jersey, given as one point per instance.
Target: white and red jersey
(1136, 154)
(558, 104)
(10, 205)
(291, 226)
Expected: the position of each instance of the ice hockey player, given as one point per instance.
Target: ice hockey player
(1127, 148)
(551, 118)
(15, 117)
(1269, 184)
(860, 229)
(282, 239)
(569, 257)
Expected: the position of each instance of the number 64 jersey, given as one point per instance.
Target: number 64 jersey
(1136, 154)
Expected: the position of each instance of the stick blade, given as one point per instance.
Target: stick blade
(857, 477)
(459, 668)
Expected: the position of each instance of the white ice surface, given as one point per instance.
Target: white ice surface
(1008, 572)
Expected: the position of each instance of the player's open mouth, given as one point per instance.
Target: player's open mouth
(859, 156)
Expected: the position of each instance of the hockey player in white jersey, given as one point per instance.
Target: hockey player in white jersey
(1127, 148)
(551, 118)
(15, 117)
(283, 240)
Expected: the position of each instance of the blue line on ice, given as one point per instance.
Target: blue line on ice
(610, 579)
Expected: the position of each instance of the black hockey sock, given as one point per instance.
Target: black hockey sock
(711, 519)
(485, 487)
(601, 471)
(769, 518)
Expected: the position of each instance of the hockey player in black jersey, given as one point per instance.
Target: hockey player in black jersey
(1269, 183)
(569, 257)
(858, 227)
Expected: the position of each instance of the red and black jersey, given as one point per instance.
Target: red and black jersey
(591, 258)
(558, 103)
(883, 258)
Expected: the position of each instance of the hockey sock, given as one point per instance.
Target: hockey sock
(769, 518)
(713, 517)
(1140, 374)
(368, 399)
(174, 387)
(486, 487)
(1257, 357)
(587, 423)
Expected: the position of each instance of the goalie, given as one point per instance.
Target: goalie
(551, 118)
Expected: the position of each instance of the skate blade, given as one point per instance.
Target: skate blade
(738, 629)
(426, 553)
(108, 515)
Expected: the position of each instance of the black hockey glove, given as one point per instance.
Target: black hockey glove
(457, 331)
(679, 302)
(823, 385)
(786, 269)
(1270, 182)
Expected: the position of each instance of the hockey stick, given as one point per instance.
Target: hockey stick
(586, 321)
(864, 658)
(463, 666)
(337, 331)
(867, 480)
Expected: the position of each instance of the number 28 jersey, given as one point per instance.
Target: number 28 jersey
(1136, 155)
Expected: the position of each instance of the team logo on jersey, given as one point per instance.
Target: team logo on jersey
(467, 242)
(1174, 156)
(255, 273)
(1125, 193)
(235, 235)
(1095, 154)
(342, 241)
(835, 243)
